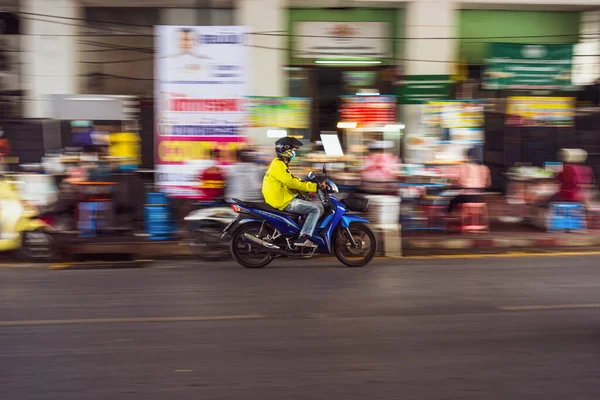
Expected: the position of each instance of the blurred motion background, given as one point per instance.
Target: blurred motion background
(198, 81)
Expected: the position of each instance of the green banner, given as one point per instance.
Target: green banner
(417, 89)
(528, 66)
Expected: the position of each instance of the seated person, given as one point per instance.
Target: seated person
(65, 206)
(576, 178)
(379, 165)
(379, 174)
(473, 178)
(280, 186)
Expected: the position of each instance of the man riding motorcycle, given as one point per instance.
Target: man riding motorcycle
(280, 188)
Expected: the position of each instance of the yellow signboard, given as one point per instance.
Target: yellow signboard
(540, 111)
(279, 112)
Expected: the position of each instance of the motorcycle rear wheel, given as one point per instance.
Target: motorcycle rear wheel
(243, 253)
(363, 235)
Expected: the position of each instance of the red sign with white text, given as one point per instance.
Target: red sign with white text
(368, 110)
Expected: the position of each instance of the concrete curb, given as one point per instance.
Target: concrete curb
(567, 241)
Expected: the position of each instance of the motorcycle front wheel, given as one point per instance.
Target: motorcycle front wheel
(366, 245)
(244, 253)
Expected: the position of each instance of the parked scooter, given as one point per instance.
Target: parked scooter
(21, 228)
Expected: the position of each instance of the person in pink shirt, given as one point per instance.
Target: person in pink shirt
(473, 179)
(380, 166)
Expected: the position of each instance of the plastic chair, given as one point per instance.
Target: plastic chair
(474, 217)
(434, 210)
(567, 217)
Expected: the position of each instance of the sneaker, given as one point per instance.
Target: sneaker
(303, 241)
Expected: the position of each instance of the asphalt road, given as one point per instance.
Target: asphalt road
(482, 328)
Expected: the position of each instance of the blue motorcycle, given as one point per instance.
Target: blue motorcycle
(263, 233)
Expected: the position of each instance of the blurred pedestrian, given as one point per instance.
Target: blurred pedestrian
(212, 179)
(5, 150)
(244, 181)
(576, 178)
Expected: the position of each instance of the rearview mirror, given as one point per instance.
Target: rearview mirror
(325, 169)
(311, 175)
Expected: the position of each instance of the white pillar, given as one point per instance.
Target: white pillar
(426, 19)
(50, 52)
(586, 60)
(267, 53)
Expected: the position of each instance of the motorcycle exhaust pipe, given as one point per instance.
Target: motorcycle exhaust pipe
(260, 242)
(271, 248)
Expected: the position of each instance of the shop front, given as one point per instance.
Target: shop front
(521, 64)
(337, 53)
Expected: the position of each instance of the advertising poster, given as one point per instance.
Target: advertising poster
(540, 111)
(368, 110)
(524, 66)
(454, 121)
(279, 112)
(201, 85)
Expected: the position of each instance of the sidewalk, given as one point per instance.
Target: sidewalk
(502, 237)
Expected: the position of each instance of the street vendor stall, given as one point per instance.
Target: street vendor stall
(433, 154)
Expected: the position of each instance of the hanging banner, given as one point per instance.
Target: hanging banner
(279, 112)
(201, 84)
(540, 111)
(368, 110)
(454, 121)
(521, 66)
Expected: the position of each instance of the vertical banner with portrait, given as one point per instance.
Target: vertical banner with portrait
(201, 85)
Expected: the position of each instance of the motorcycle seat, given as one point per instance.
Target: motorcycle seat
(266, 207)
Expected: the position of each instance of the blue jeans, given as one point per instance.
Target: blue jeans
(313, 212)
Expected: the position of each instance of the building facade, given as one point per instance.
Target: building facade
(102, 47)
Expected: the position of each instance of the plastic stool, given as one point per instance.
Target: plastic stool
(433, 209)
(567, 217)
(474, 217)
(593, 216)
(435, 216)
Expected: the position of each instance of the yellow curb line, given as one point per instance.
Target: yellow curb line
(505, 255)
(69, 265)
(129, 320)
(549, 307)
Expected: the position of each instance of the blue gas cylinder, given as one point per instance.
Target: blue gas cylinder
(159, 217)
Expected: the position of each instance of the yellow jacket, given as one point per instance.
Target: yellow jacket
(279, 185)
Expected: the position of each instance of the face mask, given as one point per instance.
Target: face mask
(293, 156)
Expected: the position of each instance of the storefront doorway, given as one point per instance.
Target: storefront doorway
(328, 84)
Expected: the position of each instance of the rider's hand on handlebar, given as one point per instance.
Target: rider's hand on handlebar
(323, 185)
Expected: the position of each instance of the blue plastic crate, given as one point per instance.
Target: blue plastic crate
(567, 217)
